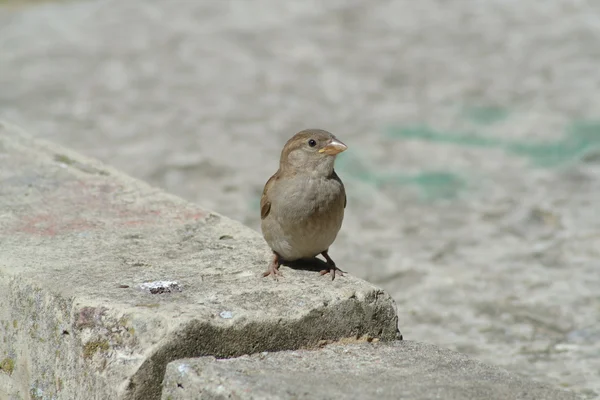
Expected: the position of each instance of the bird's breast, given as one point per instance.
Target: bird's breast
(304, 196)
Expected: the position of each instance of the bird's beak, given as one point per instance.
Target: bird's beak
(333, 147)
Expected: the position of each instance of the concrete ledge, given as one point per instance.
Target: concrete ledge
(401, 370)
(105, 280)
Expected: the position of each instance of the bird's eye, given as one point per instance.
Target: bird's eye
(312, 143)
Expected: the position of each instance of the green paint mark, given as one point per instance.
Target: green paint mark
(431, 184)
(485, 115)
(580, 139)
(422, 132)
(438, 184)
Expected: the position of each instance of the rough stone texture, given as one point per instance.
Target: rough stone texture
(80, 245)
(401, 370)
(473, 168)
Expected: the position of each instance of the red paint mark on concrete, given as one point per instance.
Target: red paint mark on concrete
(78, 206)
(133, 223)
(195, 216)
(51, 224)
(43, 225)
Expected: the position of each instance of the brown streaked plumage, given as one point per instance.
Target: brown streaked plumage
(302, 205)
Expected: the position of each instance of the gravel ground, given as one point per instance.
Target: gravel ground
(473, 127)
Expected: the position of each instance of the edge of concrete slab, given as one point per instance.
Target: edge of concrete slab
(396, 370)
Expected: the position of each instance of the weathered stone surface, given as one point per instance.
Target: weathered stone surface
(401, 370)
(473, 128)
(105, 280)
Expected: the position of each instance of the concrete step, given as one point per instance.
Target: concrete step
(400, 370)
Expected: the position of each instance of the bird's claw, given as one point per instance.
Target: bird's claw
(332, 270)
(273, 270)
(274, 267)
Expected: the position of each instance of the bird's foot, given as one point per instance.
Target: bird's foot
(274, 268)
(332, 268)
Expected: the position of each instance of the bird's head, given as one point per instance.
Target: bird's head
(311, 151)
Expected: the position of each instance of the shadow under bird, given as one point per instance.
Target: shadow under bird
(302, 204)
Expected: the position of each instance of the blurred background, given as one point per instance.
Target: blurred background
(473, 126)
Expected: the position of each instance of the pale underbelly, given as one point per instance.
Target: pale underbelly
(304, 243)
(305, 238)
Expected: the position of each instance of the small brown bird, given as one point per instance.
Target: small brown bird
(302, 205)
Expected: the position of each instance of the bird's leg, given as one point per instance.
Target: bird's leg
(274, 267)
(332, 268)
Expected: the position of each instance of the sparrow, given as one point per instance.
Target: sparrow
(302, 204)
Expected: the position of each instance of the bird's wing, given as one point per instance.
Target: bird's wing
(337, 178)
(265, 203)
